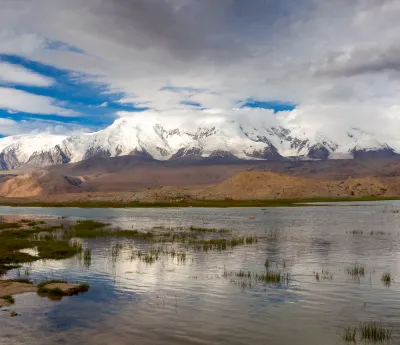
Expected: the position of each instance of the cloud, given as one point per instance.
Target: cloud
(363, 60)
(10, 73)
(324, 56)
(21, 101)
(9, 126)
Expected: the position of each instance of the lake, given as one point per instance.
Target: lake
(204, 299)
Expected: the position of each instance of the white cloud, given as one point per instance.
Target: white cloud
(335, 59)
(11, 127)
(21, 101)
(15, 74)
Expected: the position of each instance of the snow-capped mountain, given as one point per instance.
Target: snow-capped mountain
(165, 139)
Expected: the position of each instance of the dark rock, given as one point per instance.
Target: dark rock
(221, 154)
(318, 152)
(185, 152)
(97, 151)
(379, 153)
(268, 153)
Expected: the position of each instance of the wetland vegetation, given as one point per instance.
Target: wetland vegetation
(197, 203)
(356, 271)
(262, 264)
(367, 332)
(57, 242)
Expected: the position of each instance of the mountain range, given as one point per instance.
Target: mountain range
(166, 139)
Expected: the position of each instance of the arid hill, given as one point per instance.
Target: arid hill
(140, 179)
(38, 183)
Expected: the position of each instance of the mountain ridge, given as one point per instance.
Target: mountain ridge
(164, 139)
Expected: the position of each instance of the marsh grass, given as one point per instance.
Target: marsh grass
(87, 257)
(5, 268)
(372, 331)
(356, 271)
(267, 277)
(243, 274)
(103, 233)
(12, 242)
(349, 334)
(89, 225)
(381, 233)
(27, 271)
(222, 244)
(181, 257)
(155, 253)
(4, 226)
(174, 237)
(53, 281)
(387, 278)
(31, 223)
(83, 287)
(324, 275)
(207, 230)
(274, 277)
(116, 250)
(266, 263)
(148, 258)
(56, 293)
(9, 299)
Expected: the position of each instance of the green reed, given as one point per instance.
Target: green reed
(271, 276)
(349, 334)
(87, 257)
(374, 332)
(356, 271)
(387, 278)
(9, 299)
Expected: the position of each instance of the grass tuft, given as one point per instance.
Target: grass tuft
(356, 271)
(9, 299)
(374, 332)
(273, 277)
(207, 230)
(87, 257)
(4, 226)
(324, 275)
(349, 334)
(387, 278)
(57, 292)
(54, 281)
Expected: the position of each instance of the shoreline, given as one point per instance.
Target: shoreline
(196, 203)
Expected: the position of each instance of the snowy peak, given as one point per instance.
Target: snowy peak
(165, 139)
(39, 149)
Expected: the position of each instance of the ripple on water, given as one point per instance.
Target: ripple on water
(170, 302)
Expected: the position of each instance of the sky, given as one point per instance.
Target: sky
(76, 66)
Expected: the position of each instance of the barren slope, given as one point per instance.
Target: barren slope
(38, 183)
(131, 178)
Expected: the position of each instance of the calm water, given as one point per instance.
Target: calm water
(171, 302)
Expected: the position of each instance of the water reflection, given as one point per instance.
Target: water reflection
(170, 301)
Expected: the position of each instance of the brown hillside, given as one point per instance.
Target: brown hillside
(265, 185)
(38, 183)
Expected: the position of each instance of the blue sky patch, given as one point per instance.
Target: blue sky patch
(58, 45)
(191, 103)
(276, 106)
(95, 104)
